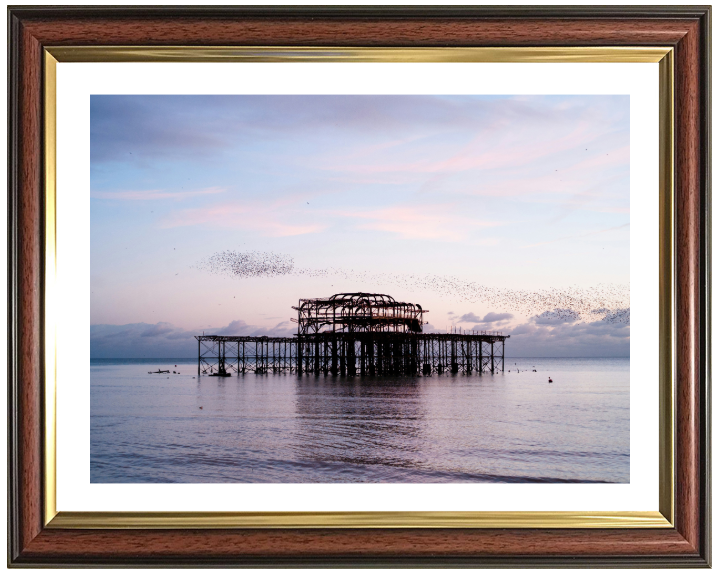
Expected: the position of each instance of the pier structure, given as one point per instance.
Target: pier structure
(357, 312)
(354, 334)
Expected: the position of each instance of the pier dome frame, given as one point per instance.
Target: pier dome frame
(358, 312)
(356, 333)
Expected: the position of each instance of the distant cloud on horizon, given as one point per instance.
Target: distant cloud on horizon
(583, 339)
(165, 340)
(557, 333)
(532, 338)
(489, 318)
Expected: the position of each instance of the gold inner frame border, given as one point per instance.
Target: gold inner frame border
(663, 518)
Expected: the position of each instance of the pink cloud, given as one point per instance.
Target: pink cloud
(388, 178)
(562, 184)
(484, 151)
(440, 222)
(381, 147)
(265, 219)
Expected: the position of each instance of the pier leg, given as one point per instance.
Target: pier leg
(343, 355)
(492, 357)
(221, 360)
(317, 357)
(299, 353)
(198, 357)
(363, 356)
(453, 357)
(413, 356)
(469, 355)
(351, 356)
(327, 357)
(334, 365)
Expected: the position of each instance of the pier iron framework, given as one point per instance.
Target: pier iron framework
(354, 334)
(357, 312)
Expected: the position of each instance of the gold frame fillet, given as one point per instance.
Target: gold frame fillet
(663, 518)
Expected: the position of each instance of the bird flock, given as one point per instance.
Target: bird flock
(605, 302)
(251, 264)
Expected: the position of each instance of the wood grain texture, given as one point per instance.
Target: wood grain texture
(31, 29)
(249, 31)
(29, 270)
(144, 545)
(689, 186)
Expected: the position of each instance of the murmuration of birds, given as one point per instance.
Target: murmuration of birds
(249, 264)
(604, 302)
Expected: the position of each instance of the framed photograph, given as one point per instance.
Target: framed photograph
(340, 287)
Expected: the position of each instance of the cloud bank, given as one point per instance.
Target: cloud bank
(584, 339)
(165, 340)
(536, 337)
(559, 333)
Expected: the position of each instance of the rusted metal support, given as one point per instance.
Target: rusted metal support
(316, 357)
(353, 353)
(362, 357)
(358, 311)
(334, 362)
(453, 356)
(351, 356)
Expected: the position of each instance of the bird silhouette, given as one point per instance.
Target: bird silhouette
(607, 303)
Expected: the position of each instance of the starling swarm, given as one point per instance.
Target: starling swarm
(605, 302)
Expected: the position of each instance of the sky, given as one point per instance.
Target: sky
(507, 213)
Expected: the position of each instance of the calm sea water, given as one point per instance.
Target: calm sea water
(508, 427)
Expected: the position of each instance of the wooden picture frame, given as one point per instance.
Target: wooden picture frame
(33, 542)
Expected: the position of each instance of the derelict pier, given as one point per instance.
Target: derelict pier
(354, 334)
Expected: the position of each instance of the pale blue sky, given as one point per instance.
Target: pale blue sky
(516, 192)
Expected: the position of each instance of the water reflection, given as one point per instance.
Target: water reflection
(512, 427)
(367, 422)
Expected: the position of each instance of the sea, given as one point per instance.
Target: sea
(513, 426)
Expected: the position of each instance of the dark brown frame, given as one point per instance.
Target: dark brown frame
(687, 29)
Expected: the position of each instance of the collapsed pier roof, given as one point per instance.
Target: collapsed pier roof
(358, 312)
